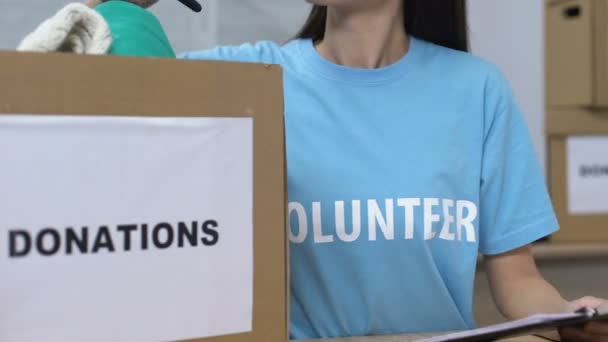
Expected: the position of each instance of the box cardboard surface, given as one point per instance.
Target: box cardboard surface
(576, 52)
(561, 124)
(85, 85)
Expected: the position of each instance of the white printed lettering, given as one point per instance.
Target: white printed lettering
(356, 222)
(448, 220)
(429, 217)
(376, 219)
(302, 223)
(445, 219)
(466, 221)
(409, 204)
(317, 225)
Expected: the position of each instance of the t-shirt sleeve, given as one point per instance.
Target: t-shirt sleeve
(515, 208)
(261, 52)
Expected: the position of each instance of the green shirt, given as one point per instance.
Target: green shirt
(135, 30)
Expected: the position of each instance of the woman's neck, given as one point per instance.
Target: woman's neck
(369, 38)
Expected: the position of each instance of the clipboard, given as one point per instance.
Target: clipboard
(527, 326)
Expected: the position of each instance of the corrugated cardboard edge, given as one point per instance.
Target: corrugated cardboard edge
(600, 53)
(560, 124)
(287, 242)
(107, 85)
(561, 121)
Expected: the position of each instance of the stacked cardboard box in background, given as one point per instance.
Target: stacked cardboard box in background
(577, 116)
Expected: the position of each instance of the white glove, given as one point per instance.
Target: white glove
(75, 28)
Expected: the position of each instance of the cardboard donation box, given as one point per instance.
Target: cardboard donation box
(578, 173)
(142, 200)
(577, 52)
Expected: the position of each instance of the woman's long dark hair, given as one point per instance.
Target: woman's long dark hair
(443, 22)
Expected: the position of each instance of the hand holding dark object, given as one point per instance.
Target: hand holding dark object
(141, 3)
(592, 332)
(192, 4)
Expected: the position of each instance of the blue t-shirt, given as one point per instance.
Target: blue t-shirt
(398, 177)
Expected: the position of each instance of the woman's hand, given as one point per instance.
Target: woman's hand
(141, 3)
(144, 3)
(92, 3)
(592, 332)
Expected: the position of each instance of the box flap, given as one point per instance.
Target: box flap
(567, 121)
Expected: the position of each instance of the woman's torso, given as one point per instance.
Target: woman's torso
(384, 174)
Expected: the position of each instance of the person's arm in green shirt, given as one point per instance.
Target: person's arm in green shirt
(135, 30)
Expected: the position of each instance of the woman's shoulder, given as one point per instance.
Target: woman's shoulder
(260, 52)
(467, 62)
(462, 64)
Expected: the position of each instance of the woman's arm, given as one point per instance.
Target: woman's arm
(260, 52)
(519, 290)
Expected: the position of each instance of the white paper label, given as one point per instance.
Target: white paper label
(125, 229)
(587, 160)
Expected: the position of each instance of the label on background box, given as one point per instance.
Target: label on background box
(125, 229)
(587, 160)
